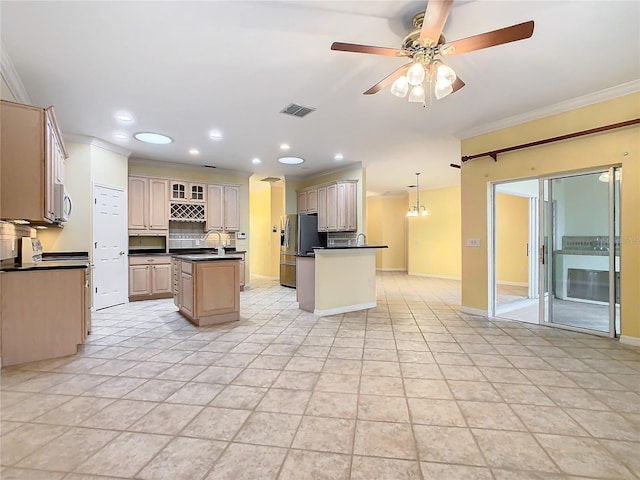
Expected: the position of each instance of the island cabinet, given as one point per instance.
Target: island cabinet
(223, 208)
(337, 206)
(150, 277)
(208, 288)
(148, 206)
(54, 325)
(33, 156)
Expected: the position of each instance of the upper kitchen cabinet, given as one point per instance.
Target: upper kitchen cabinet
(33, 157)
(188, 192)
(308, 200)
(148, 206)
(223, 208)
(337, 206)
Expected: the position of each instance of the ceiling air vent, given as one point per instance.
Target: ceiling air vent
(271, 179)
(297, 110)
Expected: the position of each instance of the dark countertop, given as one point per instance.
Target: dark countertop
(45, 265)
(206, 257)
(186, 251)
(597, 253)
(304, 255)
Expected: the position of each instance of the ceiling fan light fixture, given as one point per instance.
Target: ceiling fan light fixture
(417, 94)
(442, 90)
(400, 87)
(445, 74)
(416, 74)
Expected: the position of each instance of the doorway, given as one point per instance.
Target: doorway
(515, 241)
(109, 247)
(573, 256)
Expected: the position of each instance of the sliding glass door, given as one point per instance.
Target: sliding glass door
(579, 258)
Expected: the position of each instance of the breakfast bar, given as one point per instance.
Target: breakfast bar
(337, 280)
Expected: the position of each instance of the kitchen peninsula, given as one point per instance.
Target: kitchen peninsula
(207, 287)
(336, 280)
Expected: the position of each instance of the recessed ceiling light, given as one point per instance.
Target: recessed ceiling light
(155, 138)
(121, 136)
(284, 146)
(291, 160)
(256, 161)
(124, 117)
(339, 156)
(215, 135)
(194, 151)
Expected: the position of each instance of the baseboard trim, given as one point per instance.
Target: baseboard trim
(627, 340)
(347, 309)
(444, 277)
(514, 284)
(474, 311)
(391, 269)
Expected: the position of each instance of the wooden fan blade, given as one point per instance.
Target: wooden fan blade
(389, 79)
(352, 47)
(434, 18)
(457, 85)
(489, 39)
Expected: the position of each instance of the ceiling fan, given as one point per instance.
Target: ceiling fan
(424, 45)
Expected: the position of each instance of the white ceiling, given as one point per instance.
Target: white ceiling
(184, 68)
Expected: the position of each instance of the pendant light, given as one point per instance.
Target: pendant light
(417, 209)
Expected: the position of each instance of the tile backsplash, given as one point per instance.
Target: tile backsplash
(191, 235)
(9, 235)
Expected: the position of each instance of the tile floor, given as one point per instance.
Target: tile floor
(410, 390)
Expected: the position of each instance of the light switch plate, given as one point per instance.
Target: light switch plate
(473, 242)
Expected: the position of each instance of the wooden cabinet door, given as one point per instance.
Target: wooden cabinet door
(332, 208)
(312, 201)
(242, 273)
(58, 160)
(161, 279)
(215, 207)
(231, 208)
(217, 288)
(139, 281)
(49, 169)
(179, 191)
(322, 209)
(158, 205)
(351, 207)
(138, 200)
(302, 202)
(341, 207)
(186, 293)
(197, 193)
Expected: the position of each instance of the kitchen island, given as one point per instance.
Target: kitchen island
(337, 279)
(207, 287)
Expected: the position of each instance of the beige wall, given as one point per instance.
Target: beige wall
(387, 225)
(434, 240)
(512, 236)
(593, 151)
(277, 212)
(260, 243)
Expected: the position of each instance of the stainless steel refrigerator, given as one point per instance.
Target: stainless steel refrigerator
(299, 234)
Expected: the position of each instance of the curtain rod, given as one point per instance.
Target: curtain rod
(494, 153)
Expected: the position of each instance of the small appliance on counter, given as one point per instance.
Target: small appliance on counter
(30, 251)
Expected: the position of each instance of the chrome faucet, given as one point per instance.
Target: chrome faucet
(220, 244)
(358, 239)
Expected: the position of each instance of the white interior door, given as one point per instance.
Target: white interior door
(109, 246)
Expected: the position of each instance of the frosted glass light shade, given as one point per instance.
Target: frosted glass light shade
(442, 89)
(446, 75)
(400, 87)
(415, 74)
(417, 94)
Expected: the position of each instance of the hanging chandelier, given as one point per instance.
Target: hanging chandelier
(417, 209)
(425, 75)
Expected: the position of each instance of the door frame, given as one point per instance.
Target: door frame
(125, 238)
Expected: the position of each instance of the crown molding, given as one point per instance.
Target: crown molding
(96, 142)
(11, 77)
(562, 107)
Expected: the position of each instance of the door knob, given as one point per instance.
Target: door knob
(121, 253)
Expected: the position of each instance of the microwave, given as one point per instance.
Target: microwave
(62, 205)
